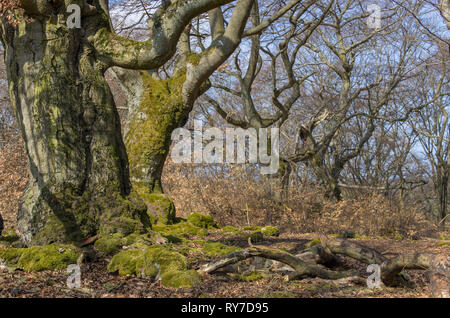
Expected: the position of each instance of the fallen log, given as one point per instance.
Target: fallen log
(391, 269)
(302, 268)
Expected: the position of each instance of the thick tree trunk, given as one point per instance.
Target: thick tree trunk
(79, 180)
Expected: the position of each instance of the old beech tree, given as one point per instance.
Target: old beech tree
(79, 173)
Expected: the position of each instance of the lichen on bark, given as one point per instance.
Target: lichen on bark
(79, 179)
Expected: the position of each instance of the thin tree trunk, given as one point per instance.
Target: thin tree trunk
(441, 193)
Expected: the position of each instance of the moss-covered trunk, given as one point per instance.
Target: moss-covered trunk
(161, 110)
(79, 183)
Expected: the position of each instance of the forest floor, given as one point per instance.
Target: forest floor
(96, 282)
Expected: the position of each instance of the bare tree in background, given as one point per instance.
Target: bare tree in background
(432, 126)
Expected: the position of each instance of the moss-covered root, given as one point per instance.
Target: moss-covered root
(39, 258)
(156, 261)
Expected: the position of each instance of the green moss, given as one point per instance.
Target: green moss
(181, 279)
(202, 221)
(154, 260)
(313, 242)
(167, 258)
(110, 244)
(250, 277)
(257, 237)
(161, 208)
(173, 239)
(8, 236)
(217, 249)
(39, 258)
(230, 229)
(252, 228)
(182, 229)
(130, 239)
(10, 256)
(444, 243)
(398, 237)
(188, 250)
(270, 231)
(159, 113)
(126, 262)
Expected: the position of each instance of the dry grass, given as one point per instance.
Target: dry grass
(233, 196)
(239, 196)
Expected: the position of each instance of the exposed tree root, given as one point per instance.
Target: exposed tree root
(302, 268)
(307, 263)
(391, 269)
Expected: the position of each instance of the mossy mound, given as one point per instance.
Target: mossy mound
(155, 261)
(202, 221)
(217, 249)
(39, 258)
(109, 244)
(181, 230)
(161, 208)
(126, 263)
(256, 237)
(8, 238)
(181, 279)
(270, 231)
(230, 229)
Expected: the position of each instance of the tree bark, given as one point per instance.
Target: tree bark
(441, 188)
(79, 183)
(328, 179)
